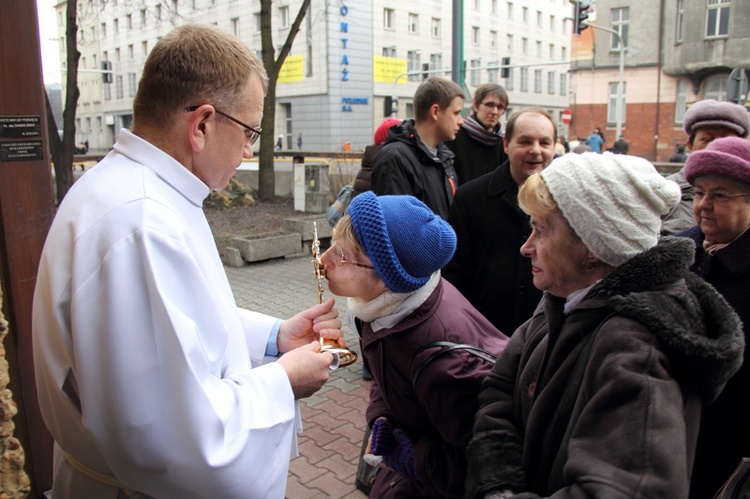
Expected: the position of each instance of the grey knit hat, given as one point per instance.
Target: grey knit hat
(714, 113)
(614, 202)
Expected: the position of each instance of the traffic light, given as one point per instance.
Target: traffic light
(580, 15)
(505, 71)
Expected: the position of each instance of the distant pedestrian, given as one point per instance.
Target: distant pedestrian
(299, 141)
(595, 141)
(620, 146)
(680, 156)
(279, 143)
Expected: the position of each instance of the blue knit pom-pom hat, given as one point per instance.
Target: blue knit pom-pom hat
(403, 238)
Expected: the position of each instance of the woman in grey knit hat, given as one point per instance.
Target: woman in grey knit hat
(600, 393)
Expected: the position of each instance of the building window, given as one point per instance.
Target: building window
(620, 21)
(143, 18)
(525, 46)
(129, 21)
(435, 28)
(563, 53)
(144, 48)
(551, 83)
(158, 12)
(235, 23)
(680, 102)
(563, 84)
(493, 7)
(284, 17)
(509, 79)
(118, 87)
(474, 35)
(679, 20)
(716, 88)
(509, 43)
(116, 23)
(475, 64)
(131, 52)
(525, 15)
(717, 18)
(117, 54)
(510, 11)
(413, 64)
(475, 5)
(493, 39)
(104, 30)
(258, 21)
(551, 51)
(537, 81)
(436, 61)
(539, 50)
(524, 79)
(132, 84)
(389, 51)
(413, 23)
(388, 15)
(493, 71)
(552, 23)
(612, 103)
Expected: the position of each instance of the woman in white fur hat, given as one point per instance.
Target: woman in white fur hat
(599, 394)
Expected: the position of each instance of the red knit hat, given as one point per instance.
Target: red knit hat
(381, 132)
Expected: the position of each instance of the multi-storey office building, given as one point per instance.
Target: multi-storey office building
(677, 52)
(348, 62)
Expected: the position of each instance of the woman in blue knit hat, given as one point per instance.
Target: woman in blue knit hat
(386, 257)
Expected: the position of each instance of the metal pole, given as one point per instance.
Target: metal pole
(457, 55)
(619, 111)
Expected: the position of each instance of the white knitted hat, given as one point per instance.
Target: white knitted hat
(613, 202)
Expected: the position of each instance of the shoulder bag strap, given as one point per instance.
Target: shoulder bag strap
(445, 347)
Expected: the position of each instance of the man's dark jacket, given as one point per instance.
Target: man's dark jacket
(487, 267)
(474, 158)
(405, 165)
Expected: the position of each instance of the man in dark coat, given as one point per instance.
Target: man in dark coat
(414, 160)
(479, 145)
(487, 267)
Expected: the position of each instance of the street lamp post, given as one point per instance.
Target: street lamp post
(619, 111)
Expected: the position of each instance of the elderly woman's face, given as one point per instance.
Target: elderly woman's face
(727, 215)
(557, 256)
(351, 273)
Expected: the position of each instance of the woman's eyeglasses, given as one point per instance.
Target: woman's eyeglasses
(252, 133)
(718, 197)
(349, 262)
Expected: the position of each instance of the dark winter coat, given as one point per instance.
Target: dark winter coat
(681, 216)
(405, 165)
(487, 267)
(438, 414)
(474, 158)
(725, 435)
(363, 180)
(671, 345)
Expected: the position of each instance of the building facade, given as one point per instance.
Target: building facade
(352, 63)
(677, 52)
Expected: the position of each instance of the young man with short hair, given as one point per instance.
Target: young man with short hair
(414, 160)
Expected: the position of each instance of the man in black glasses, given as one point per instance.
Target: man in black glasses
(150, 379)
(479, 142)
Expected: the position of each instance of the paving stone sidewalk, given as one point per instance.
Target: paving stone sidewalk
(333, 418)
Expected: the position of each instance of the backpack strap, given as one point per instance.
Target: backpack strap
(445, 347)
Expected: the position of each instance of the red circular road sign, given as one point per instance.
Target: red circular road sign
(566, 116)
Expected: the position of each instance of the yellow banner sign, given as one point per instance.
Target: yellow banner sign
(292, 70)
(386, 69)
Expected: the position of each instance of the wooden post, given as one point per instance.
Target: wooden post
(26, 210)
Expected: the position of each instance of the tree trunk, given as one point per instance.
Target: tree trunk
(64, 161)
(266, 179)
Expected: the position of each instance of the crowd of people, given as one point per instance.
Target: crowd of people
(533, 322)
